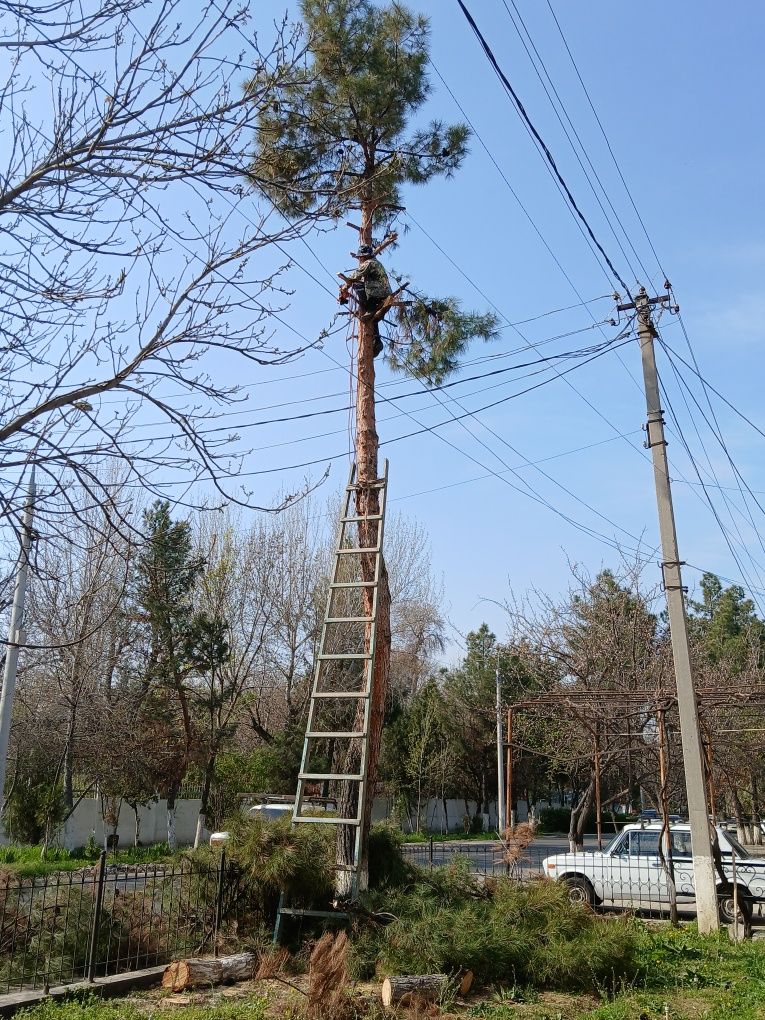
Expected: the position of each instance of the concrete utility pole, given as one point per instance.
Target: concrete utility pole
(693, 755)
(509, 812)
(501, 819)
(15, 634)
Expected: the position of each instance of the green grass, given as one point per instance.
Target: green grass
(686, 976)
(26, 861)
(93, 1008)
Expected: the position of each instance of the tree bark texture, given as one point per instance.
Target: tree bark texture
(579, 816)
(182, 974)
(367, 502)
(400, 991)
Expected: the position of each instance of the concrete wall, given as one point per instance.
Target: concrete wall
(86, 821)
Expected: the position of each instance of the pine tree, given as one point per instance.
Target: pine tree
(339, 137)
(166, 574)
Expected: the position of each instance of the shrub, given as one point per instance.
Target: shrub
(387, 867)
(558, 820)
(279, 858)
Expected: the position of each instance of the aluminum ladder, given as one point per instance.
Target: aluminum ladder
(337, 728)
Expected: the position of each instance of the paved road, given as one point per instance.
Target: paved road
(485, 856)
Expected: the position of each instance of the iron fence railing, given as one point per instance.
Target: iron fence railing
(71, 926)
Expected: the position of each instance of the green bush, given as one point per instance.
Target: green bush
(559, 819)
(279, 858)
(527, 934)
(387, 867)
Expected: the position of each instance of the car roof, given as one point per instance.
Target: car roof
(656, 827)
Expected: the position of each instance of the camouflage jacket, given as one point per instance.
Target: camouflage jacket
(372, 274)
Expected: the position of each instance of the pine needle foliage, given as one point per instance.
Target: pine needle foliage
(279, 858)
(339, 137)
(432, 335)
(339, 129)
(527, 934)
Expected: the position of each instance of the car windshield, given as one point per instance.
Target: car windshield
(738, 850)
(612, 842)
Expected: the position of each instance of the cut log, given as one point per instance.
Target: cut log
(423, 987)
(182, 974)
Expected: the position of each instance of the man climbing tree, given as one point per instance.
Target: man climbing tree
(338, 139)
(370, 285)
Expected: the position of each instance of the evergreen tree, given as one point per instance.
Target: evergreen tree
(340, 136)
(726, 623)
(163, 585)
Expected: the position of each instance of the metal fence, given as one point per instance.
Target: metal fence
(609, 884)
(72, 926)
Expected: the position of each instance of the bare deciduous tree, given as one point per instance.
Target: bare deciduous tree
(138, 266)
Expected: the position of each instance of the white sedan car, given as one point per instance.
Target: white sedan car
(629, 871)
(270, 811)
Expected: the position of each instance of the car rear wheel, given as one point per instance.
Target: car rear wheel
(579, 890)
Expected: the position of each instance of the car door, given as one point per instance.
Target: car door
(646, 887)
(682, 863)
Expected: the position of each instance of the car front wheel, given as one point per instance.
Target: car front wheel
(579, 890)
(727, 912)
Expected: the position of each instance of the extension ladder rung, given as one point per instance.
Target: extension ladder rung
(378, 483)
(316, 820)
(353, 584)
(350, 619)
(343, 656)
(360, 520)
(341, 694)
(299, 912)
(334, 734)
(361, 549)
(331, 776)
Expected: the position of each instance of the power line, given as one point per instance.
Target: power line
(712, 507)
(605, 137)
(540, 141)
(563, 110)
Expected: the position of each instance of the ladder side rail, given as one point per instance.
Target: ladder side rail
(364, 763)
(304, 758)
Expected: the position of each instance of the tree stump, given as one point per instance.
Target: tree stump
(182, 974)
(423, 987)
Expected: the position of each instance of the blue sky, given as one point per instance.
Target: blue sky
(679, 92)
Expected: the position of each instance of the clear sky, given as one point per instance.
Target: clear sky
(679, 90)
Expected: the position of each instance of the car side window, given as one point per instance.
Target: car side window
(644, 844)
(621, 846)
(680, 844)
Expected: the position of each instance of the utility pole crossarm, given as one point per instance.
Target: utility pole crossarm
(693, 756)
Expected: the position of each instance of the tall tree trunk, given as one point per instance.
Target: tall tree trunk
(367, 503)
(204, 807)
(69, 758)
(738, 810)
(137, 828)
(172, 838)
(756, 817)
(110, 812)
(579, 817)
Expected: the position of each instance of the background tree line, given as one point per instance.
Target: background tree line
(590, 678)
(179, 653)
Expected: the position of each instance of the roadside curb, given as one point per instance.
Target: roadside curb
(106, 987)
